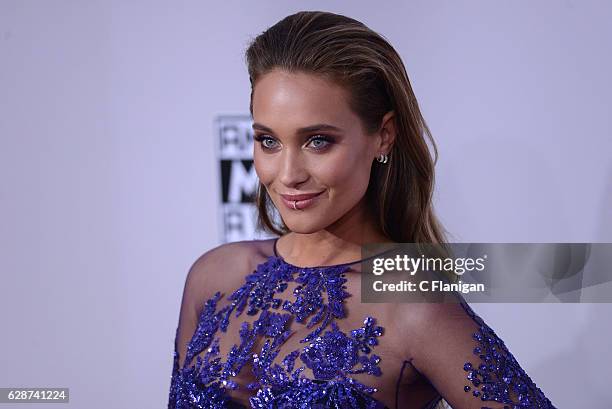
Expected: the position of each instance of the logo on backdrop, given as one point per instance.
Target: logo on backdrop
(237, 213)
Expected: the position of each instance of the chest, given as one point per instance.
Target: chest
(282, 327)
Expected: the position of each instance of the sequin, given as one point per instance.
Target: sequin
(333, 356)
(498, 376)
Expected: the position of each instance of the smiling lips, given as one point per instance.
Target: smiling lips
(301, 201)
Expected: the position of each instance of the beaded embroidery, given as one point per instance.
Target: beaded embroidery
(332, 355)
(499, 377)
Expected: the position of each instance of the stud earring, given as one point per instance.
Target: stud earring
(383, 158)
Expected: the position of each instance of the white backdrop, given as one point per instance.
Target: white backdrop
(109, 180)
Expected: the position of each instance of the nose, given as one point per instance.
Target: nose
(292, 170)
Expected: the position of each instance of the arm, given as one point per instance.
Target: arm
(466, 361)
(201, 284)
(190, 309)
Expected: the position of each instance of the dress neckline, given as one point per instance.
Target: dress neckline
(326, 266)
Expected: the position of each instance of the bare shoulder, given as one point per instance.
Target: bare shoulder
(419, 322)
(224, 267)
(226, 254)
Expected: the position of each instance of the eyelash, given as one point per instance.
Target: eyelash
(261, 138)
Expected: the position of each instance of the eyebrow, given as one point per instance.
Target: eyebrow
(306, 129)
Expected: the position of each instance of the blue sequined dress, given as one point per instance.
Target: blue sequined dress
(284, 339)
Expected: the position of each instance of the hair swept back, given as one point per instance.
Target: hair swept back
(352, 55)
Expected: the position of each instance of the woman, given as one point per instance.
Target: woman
(342, 157)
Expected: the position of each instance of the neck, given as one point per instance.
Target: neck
(336, 244)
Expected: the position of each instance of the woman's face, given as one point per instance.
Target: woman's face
(308, 141)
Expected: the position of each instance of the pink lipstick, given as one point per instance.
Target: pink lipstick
(300, 201)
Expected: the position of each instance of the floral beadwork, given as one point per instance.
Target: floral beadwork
(331, 355)
(334, 354)
(499, 377)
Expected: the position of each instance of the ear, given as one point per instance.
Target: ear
(388, 132)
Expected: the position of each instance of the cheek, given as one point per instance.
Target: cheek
(348, 173)
(265, 169)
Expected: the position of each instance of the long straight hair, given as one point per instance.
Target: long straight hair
(347, 52)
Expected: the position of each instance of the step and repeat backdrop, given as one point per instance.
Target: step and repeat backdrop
(238, 180)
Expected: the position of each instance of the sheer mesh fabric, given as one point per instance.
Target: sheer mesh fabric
(424, 352)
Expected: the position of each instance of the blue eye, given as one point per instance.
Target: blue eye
(324, 142)
(262, 139)
(318, 142)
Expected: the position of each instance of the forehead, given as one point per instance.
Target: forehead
(291, 100)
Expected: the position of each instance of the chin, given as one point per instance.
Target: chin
(304, 224)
